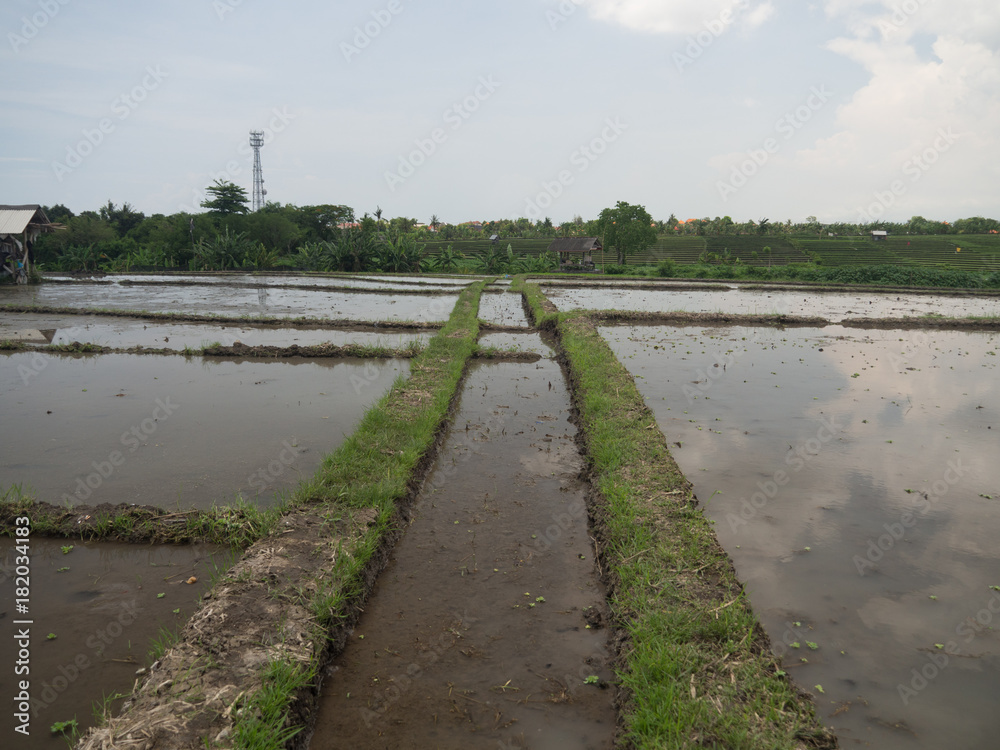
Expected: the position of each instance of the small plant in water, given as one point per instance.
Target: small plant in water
(591, 680)
(51, 636)
(66, 728)
(67, 549)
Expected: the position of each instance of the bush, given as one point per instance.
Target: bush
(615, 270)
(665, 269)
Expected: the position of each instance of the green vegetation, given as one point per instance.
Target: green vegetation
(263, 722)
(695, 663)
(626, 229)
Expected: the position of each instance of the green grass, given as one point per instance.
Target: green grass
(263, 718)
(695, 667)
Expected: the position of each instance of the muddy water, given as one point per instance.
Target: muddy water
(476, 635)
(176, 432)
(220, 299)
(126, 332)
(515, 342)
(853, 477)
(503, 309)
(832, 305)
(104, 604)
(359, 282)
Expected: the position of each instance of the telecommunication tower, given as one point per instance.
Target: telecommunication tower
(256, 142)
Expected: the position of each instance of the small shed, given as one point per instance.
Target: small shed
(20, 227)
(576, 251)
(880, 235)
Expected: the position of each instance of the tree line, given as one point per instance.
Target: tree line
(329, 237)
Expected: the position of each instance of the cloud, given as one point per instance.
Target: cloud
(680, 16)
(889, 132)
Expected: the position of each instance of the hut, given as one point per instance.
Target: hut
(576, 252)
(880, 235)
(20, 227)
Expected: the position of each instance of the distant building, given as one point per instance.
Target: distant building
(576, 251)
(20, 227)
(880, 235)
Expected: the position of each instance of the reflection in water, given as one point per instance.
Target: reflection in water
(853, 478)
(176, 432)
(831, 305)
(95, 610)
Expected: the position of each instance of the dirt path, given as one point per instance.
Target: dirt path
(485, 627)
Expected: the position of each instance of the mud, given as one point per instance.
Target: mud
(176, 432)
(254, 616)
(772, 302)
(222, 300)
(103, 605)
(488, 621)
(503, 309)
(852, 477)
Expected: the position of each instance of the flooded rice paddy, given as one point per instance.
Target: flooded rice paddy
(357, 282)
(853, 478)
(176, 432)
(831, 305)
(503, 309)
(96, 610)
(123, 333)
(486, 625)
(233, 301)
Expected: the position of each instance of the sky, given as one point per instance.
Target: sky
(846, 110)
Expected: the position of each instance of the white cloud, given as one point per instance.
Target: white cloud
(681, 16)
(883, 133)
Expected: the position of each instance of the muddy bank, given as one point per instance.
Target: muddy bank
(129, 524)
(256, 614)
(486, 628)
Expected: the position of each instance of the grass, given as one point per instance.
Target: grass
(263, 717)
(695, 667)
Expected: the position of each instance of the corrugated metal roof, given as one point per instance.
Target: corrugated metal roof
(14, 219)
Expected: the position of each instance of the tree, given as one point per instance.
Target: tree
(227, 199)
(435, 223)
(626, 228)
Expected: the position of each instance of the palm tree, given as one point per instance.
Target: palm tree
(435, 222)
